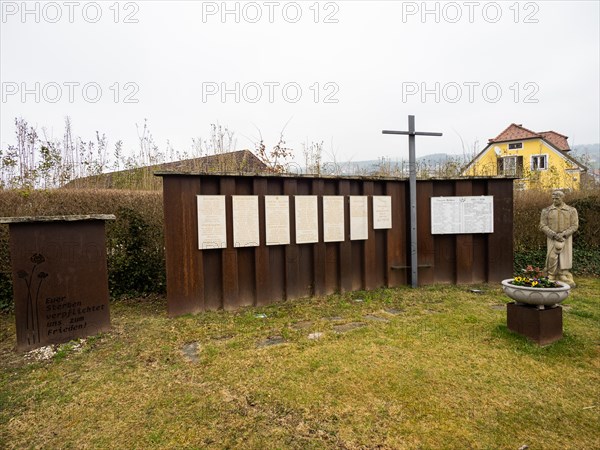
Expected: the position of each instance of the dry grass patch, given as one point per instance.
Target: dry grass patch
(444, 372)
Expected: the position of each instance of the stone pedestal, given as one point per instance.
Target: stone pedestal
(60, 280)
(543, 326)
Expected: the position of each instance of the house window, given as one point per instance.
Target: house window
(515, 146)
(510, 166)
(539, 162)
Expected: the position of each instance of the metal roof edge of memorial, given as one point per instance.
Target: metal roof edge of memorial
(71, 218)
(326, 177)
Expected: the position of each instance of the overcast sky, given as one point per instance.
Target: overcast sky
(338, 72)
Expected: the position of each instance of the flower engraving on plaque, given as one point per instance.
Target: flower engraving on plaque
(34, 284)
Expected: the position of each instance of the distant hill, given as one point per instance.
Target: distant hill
(587, 154)
(397, 166)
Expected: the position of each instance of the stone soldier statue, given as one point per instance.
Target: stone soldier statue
(558, 222)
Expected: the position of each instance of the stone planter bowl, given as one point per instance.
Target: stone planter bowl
(540, 297)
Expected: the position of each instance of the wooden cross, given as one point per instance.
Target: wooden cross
(412, 164)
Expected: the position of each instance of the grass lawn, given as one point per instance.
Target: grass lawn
(433, 367)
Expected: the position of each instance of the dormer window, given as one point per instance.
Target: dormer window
(515, 146)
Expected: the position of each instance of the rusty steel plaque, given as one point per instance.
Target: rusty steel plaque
(60, 279)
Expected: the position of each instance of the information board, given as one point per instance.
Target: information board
(382, 212)
(359, 220)
(277, 219)
(307, 226)
(245, 221)
(333, 218)
(462, 215)
(212, 232)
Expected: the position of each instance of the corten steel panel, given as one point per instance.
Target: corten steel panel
(276, 253)
(480, 248)
(479, 268)
(380, 269)
(332, 250)
(261, 263)
(357, 265)
(246, 258)
(306, 267)
(292, 262)
(305, 251)
(320, 252)
(346, 271)
(358, 247)
(396, 236)
(332, 268)
(185, 280)
(464, 242)
(369, 248)
(213, 259)
(230, 279)
(425, 241)
(500, 242)
(246, 268)
(445, 254)
(380, 236)
(213, 274)
(60, 281)
(443, 244)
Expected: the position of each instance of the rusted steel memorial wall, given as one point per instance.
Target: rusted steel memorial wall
(241, 270)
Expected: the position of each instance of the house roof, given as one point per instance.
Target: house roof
(517, 132)
(556, 139)
(241, 161)
(514, 132)
(238, 161)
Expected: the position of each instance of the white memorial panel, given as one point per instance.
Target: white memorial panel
(382, 212)
(333, 218)
(212, 231)
(462, 215)
(359, 220)
(307, 225)
(245, 220)
(277, 219)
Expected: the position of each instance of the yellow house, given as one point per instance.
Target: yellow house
(537, 160)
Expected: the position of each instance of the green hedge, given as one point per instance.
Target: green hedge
(530, 242)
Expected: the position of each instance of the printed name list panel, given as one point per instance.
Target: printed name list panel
(462, 215)
(333, 218)
(245, 221)
(307, 227)
(382, 212)
(212, 232)
(359, 220)
(277, 219)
